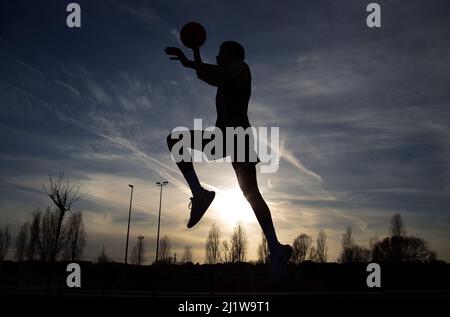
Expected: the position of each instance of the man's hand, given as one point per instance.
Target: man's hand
(177, 54)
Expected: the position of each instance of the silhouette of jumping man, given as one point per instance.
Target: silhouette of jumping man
(232, 78)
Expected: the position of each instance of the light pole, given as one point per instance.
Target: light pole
(128, 230)
(141, 237)
(161, 185)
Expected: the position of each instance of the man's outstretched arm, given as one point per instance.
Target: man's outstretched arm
(209, 73)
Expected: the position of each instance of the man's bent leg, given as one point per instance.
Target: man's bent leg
(186, 168)
(202, 198)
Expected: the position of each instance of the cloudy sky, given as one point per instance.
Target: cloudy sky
(363, 116)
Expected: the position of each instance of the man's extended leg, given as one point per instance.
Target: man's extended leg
(279, 254)
(201, 198)
(246, 176)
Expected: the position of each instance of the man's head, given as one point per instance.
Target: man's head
(229, 52)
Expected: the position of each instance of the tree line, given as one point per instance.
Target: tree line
(234, 250)
(59, 234)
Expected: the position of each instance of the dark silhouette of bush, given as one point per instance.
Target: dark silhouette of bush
(402, 249)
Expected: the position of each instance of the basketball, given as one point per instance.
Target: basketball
(193, 35)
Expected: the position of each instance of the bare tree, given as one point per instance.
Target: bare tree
(398, 233)
(138, 252)
(239, 244)
(351, 252)
(212, 246)
(75, 239)
(347, 238)
(33, 236)
(348, 247)
(226, 252)
(362, 254)
(372, 242)
(416, 249)
(164, 251)
(321, 247)
(263, 250)
(5, 239)
(312, 254)
(103, 257)
(397, 226)
(356, 253)
(300, 248)
(48, 244)
(187, 255)
(21, 242)
(63, 195)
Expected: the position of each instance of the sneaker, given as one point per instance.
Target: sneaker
(199, 204)
(277, 263)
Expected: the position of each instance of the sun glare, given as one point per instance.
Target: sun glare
(233, 207)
